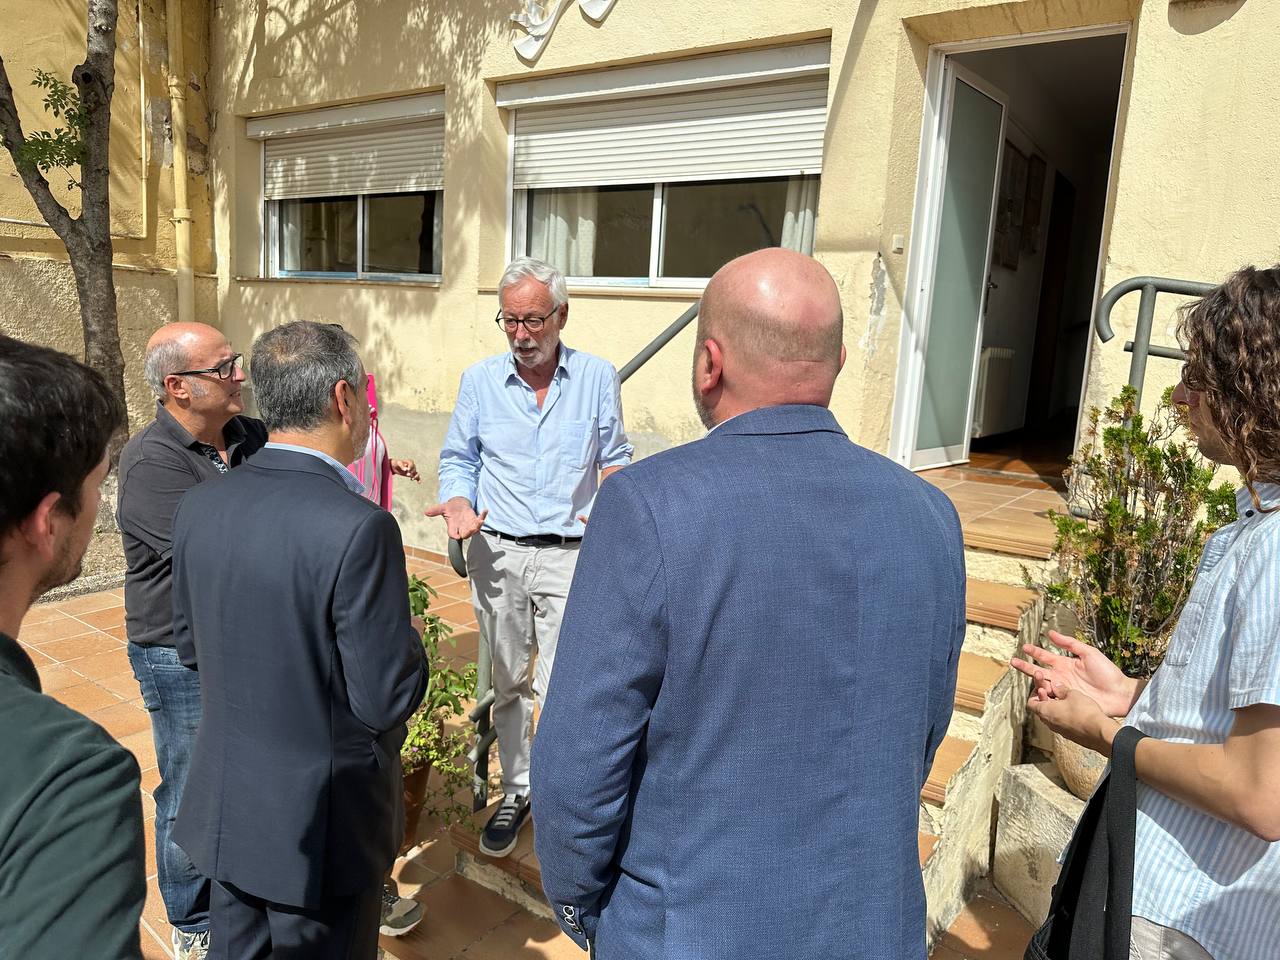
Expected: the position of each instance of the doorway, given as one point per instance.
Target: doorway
(1010, 210)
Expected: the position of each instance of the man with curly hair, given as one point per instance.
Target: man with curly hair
(1207, 857)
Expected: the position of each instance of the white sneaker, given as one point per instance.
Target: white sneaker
(190, 946)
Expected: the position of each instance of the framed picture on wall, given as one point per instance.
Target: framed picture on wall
(1037, 171)
(1013, 193)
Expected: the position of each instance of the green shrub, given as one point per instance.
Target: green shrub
(428, 743)
(1143, 504)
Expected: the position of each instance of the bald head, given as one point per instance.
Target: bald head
(180, 346)
(774, 319)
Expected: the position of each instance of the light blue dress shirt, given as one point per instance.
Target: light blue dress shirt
(347, 477)
(535, 470)
(1193, 872)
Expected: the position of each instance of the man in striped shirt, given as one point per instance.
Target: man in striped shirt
(1207, 857)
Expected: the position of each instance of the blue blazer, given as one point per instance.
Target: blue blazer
(290, 598)
(755, 667)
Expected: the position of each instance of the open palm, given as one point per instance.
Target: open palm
(1087, 669)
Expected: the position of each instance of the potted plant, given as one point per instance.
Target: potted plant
(429, 745)
(1143, 503)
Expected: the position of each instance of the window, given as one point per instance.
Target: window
(659, 174)
(609, 234)
(355, 191)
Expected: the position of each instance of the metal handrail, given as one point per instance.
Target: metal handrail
(1140, 346)
(482, 713)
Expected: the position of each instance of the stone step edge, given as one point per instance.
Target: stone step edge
(976, 677)
(997, 537)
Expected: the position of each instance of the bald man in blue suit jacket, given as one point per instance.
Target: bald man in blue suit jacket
(756, 665)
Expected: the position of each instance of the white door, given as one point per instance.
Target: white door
(954, 284)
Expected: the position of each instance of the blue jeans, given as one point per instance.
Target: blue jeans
(171, 694)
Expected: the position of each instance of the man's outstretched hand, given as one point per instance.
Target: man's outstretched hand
(1086, 669)
(460, 518)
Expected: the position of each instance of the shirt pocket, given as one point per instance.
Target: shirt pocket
(578, 443)
(1183, 642)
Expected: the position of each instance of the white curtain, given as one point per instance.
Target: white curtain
(802, 212)
(562, 229)
(289, 227)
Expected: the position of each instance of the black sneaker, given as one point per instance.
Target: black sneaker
(503, 829)
(399, 914)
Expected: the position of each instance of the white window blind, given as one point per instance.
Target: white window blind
(760, 130)
(397, 158)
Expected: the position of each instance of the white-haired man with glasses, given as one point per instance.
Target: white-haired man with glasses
(534, 433)
(197, 435)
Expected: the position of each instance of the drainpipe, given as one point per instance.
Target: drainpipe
(178, 128)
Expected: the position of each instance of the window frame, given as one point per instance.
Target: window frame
(272, 237)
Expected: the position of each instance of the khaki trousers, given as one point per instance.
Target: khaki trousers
(518, 594)
(1150, 941)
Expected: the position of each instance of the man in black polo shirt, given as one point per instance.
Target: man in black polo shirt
(197, 435)
(71, 847)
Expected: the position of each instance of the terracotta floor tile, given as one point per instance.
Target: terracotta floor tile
(143, 747)
(458, 612)
(150, 778)
(42, 613)
(154, 912)
(124, 686)
(103, 619)
(55, 677)
(119, 633)
(38, 659)
(525, 936)
(149, 841)
(86, 697)
(73, 648)
(42, 633)
(458, 590)
(458, 913)
(152, 949)
(988, 929)
(90, 602)
(122, 719)
(113, 663)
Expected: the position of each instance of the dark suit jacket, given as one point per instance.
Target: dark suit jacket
(755, 667)
(290, 598)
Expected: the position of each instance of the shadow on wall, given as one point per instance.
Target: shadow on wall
(1191, 17)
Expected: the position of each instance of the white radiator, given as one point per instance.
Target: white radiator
(993, 409)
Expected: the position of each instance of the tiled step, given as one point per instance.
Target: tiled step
(1000, 618)
(976, 678)
(987, 929)
(951, 756)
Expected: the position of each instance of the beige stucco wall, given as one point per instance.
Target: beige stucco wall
(1194, 189)
(37, 291)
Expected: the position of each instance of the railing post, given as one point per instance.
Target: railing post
(484, 683)
(1142, 340)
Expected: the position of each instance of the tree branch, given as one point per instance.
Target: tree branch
(11, 135)
(95, 79)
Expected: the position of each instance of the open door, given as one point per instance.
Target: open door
(955, 289)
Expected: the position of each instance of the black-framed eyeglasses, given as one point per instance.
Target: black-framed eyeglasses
(225, 370)
(532, 324)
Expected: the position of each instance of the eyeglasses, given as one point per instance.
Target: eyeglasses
(532, 324)
(225, 370)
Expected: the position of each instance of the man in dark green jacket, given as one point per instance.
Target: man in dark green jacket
(71, 848)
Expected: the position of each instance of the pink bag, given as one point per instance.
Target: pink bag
(374, 468)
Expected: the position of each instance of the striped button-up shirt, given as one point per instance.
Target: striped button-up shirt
(1213, 881)
(535, 469)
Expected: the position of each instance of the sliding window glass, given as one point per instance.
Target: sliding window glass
(386, 235)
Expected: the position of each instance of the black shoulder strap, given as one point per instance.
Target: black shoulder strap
(1122, 818)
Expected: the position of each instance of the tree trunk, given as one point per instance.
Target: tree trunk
(96, 289)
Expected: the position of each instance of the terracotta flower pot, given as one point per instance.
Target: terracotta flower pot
(1081, 768)
(415, 796)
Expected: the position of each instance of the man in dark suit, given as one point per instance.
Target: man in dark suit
(309, 667)
(756, 665)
